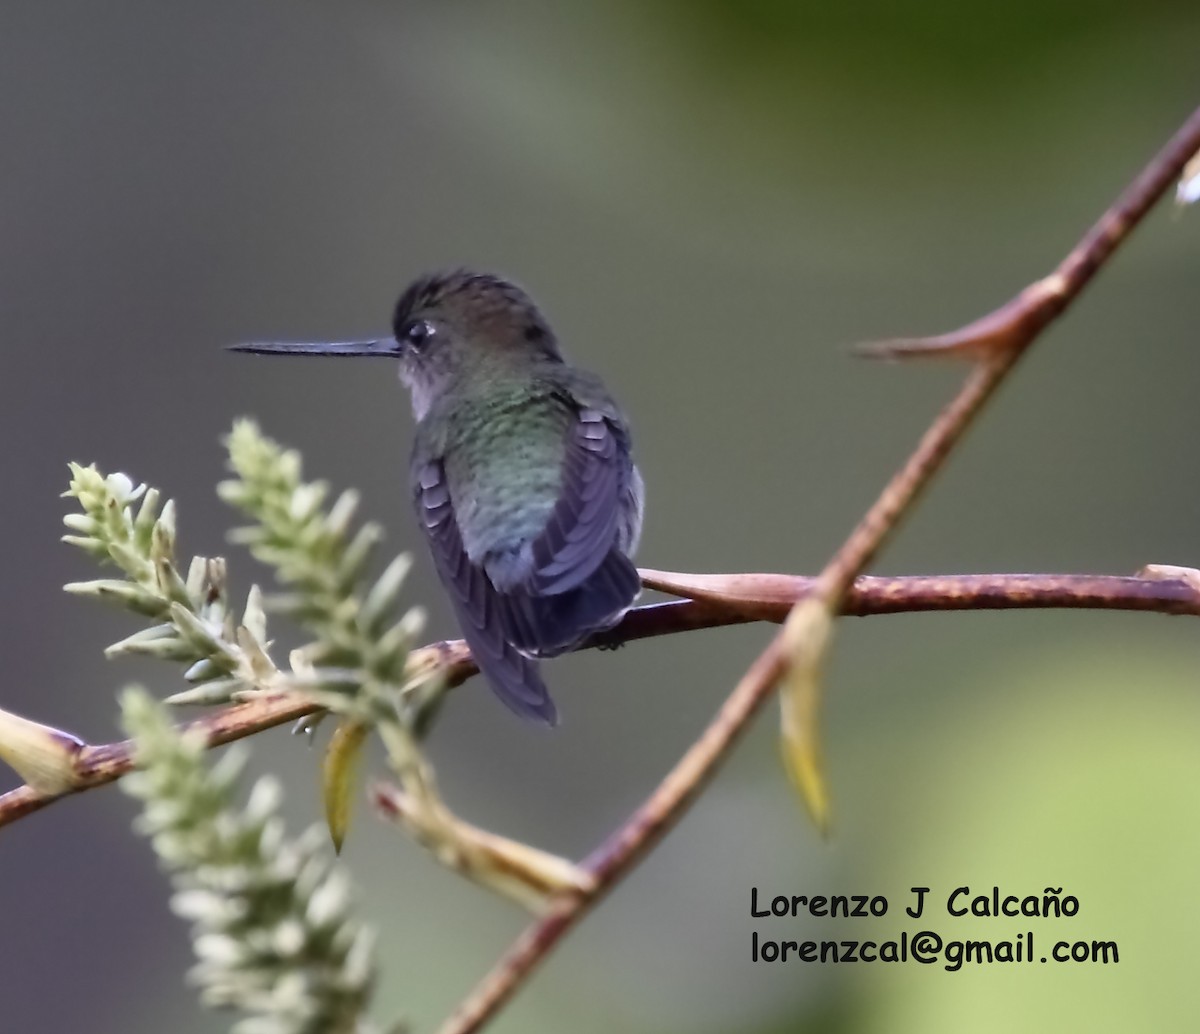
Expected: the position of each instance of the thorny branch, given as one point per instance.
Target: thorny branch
(994, 343)
(712, 601)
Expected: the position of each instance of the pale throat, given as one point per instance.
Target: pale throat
(419, 389)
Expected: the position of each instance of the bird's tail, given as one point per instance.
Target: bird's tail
(519, 685)
(544, 626)
(513, 676)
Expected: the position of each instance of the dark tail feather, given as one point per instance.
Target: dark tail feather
(548, 625)
(513, 677)
(517, 682)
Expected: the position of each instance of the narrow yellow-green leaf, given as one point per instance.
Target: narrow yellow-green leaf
(807, 637)
(340, 777)
(218, 691)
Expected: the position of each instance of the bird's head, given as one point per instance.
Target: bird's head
(444, 324)
(448, 323)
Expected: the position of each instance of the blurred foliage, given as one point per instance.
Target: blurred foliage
(1077, 771)
(909, 47)
(272, 924)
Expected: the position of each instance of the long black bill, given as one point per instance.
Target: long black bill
(386, 348)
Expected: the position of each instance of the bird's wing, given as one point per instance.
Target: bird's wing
(478, 606)
(582, 528)
(579, 579)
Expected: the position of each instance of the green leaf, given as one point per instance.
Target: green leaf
(340, 777)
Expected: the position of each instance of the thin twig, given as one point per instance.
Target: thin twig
(769, 597)
(995, 342)
(99, 764)
(714, 601)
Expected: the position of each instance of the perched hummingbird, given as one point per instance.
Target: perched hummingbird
(521, 475)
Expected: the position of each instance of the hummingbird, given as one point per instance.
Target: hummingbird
(521, 475)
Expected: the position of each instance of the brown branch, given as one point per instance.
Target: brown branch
(769, 597)
(104, 763)
(995, 342)
(713, 600)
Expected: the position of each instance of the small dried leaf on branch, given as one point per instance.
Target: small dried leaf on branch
(340, 770)
(807, 636)
(41, 755)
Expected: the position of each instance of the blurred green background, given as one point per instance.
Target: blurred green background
(711, 200)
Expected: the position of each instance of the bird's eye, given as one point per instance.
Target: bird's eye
(417, 333)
